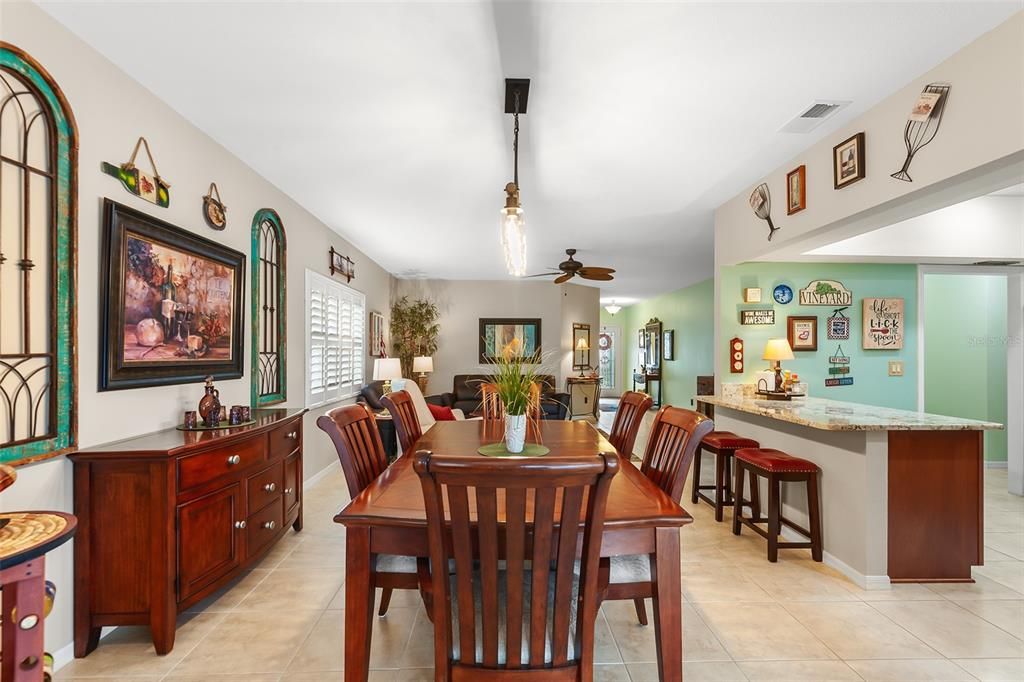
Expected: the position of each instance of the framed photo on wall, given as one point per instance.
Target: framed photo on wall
(796, 190)
(171, 303)
(668, 345)
(802, 332)
(848, 161)
(498, 333)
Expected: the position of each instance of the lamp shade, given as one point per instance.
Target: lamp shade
(423, 363)
(385, 369)
(582, 344)
(777, 349)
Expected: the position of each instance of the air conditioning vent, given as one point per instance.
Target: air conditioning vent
(999, 263)
(813, 116)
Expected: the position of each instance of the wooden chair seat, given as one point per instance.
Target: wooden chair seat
(527, 581)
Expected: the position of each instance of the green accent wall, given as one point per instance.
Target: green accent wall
(691, 313)
(872, 384)
(965, 331)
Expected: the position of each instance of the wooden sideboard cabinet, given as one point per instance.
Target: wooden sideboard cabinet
(168, 517)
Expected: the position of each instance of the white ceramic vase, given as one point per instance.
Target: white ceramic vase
(515, 433)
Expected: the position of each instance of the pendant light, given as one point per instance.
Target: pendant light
(612, 308)
(513, 222)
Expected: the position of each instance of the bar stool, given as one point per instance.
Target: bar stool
(722, 444)
(777, 467)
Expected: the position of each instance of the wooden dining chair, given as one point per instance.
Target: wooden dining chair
(403, 414)
(633, 405)
(353, 430)
(512, 554)
(490, 403)
(675, 436)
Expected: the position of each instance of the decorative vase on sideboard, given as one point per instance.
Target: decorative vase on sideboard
(515, 432)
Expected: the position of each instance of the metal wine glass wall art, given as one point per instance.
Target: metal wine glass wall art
(761, 203)
(923, 124)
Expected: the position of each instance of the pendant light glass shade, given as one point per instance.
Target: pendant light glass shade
(612, 308)
(513, 233)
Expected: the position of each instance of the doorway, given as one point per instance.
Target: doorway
(610, 360)
(969, 342)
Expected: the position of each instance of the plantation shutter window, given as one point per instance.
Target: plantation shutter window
(334, 324)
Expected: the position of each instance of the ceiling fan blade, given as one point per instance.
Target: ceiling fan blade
(596, 276)
(541, 274)
(595, 270)
(564, 278)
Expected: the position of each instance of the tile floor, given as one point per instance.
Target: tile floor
(744, 619)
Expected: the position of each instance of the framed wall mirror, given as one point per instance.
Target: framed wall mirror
(652, 345)
(580, 346)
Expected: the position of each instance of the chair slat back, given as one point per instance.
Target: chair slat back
(632, 407)
(353, 430)
(490, 403)
(675, 436)
(403, 414)
(511, 511)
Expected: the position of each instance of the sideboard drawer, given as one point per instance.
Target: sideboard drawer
(195, 470)
(266, 486)
(264, 527)
(284, 439)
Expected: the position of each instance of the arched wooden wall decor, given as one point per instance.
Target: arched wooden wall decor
(269, 347)
(38, 262)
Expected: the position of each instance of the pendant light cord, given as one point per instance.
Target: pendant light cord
(515, 141)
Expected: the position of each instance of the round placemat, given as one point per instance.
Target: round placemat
(499, 450)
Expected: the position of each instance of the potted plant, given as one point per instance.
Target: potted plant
(414, 330)
(513, 375)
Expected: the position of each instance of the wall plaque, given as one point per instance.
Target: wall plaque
(825, 292)
(763, 317)
(883, 324)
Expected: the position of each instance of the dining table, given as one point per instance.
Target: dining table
(388, 517)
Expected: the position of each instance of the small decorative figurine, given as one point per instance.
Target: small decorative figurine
(209, 406)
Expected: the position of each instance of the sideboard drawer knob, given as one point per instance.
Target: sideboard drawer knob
(289, 491)
(233, 460)
(294, 435)
(240, 525)
(270, 487)
(270, 525)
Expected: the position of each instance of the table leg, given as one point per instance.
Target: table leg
(24, 591)
(668, 606)
(359, 595)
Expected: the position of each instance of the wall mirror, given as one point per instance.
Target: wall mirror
(652, 345)
(580, 346)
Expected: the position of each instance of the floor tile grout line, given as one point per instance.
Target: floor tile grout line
(995, 625)
(221, 616)
(906, 629)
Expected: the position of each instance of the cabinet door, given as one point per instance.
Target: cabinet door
(208, 540)
(292, 477)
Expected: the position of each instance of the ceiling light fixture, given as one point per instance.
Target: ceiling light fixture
(612, 308)
(513, 223)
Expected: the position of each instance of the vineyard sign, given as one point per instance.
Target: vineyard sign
(826, 292)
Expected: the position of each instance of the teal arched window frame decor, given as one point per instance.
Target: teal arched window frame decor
(41, 369)
(269, 339)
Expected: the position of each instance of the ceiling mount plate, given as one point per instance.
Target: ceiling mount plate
(511, 86)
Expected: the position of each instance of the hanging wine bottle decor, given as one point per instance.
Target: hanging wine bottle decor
(923, 124)
(761, 203)
(152, 188)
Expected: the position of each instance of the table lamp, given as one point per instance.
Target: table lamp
(424, 364)
(775, 351)
(582, 346)
(386, 369)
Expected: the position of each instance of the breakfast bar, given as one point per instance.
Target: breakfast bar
(901, 491)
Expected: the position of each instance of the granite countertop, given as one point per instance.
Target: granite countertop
(835, 415)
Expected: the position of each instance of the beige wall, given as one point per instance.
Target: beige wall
(112, 110)
(463, 302)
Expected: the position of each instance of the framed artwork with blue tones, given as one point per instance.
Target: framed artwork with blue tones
(497, 333)
(782, 294)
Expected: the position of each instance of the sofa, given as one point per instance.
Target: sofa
(465, 395)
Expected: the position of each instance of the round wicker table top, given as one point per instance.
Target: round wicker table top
(27, 535)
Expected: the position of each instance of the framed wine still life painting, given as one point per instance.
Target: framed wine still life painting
(171, 305)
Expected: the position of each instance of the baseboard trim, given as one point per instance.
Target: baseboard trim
(865, 582)
(316, 478)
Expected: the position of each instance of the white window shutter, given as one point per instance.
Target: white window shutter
(335, 338)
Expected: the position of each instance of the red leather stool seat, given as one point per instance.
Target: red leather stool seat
(727, 440)
(775, 461)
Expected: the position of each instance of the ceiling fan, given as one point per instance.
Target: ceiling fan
(568, 269)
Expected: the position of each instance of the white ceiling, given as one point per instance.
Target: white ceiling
(385, 119)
